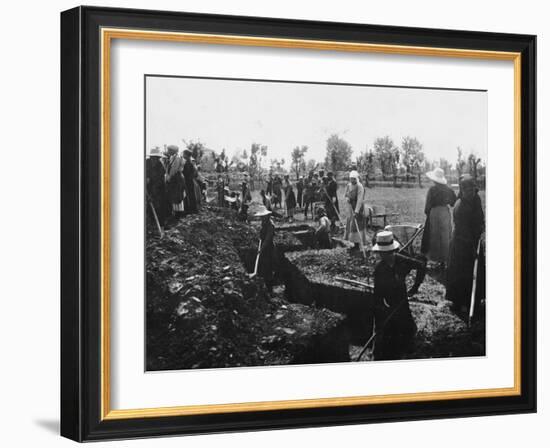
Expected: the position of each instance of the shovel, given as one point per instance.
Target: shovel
(257, 260)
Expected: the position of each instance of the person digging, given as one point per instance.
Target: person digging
(264, 258)
(394, 325)
(322, 233)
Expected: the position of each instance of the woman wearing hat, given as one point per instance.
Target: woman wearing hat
(265, 261)
(394, 324)
(290, 198)
(355, 223)
(174, 180)
(437, 230)
(469, 223)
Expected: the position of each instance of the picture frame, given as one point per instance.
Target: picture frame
(86, 210)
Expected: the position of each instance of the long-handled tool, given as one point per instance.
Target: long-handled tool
(161, 232)
(333, 207)
(474, 285)
(356, 283)
(257, 260)
(361, 245)
(376, 333)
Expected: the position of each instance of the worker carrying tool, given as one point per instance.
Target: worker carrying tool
(264, 259)
(322, 233)
(394, 324)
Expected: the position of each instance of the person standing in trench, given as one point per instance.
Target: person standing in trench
(394, 324)
(265, 253)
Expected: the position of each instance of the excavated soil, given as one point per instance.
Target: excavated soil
(203, 310)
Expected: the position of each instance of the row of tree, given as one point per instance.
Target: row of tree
(384, 159)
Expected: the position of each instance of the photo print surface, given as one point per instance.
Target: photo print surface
(306, 223)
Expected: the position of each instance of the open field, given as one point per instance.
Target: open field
(407, 202)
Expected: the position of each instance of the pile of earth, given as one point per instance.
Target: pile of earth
(203, 310)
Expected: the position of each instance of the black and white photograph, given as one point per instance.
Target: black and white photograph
(306, 223)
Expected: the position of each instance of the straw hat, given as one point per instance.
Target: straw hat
(263, 212)
(385, 242)
(437, 175)
(155, 152)
(353, 174)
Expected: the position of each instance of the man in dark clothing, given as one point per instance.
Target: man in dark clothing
(220, 189)
(331, 199)
(156, 187)
(245, 193)
(276, 198)
(189, 174)
(265, 262)
(310, 188)
(394, 324)
(269, 186)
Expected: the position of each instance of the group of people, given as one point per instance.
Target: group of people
(174, 186)
(451, 241)
(452, 236)
(316, 187)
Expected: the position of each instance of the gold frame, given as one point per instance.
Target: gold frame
(107, 35)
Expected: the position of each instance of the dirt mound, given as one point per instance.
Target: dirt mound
(203, 310)
(440, 332)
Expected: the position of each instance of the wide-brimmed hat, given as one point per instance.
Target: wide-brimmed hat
(263, 211)
(437, 175)
(385, 242)
(155, 152)
(354, 174)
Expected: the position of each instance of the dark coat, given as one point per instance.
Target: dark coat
(190, 175)
(265, 263)
(395, 326)
(156, 186)
(468, 227)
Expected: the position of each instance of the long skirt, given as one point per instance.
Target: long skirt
(352, 233)
(439, 234)
(290, 200)
(395, 332)
(460, 272)
(190, 197)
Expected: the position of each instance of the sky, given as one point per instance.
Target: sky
(233, 114)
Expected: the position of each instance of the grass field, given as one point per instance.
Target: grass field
(407, 202)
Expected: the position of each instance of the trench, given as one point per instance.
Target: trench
(354, 304)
